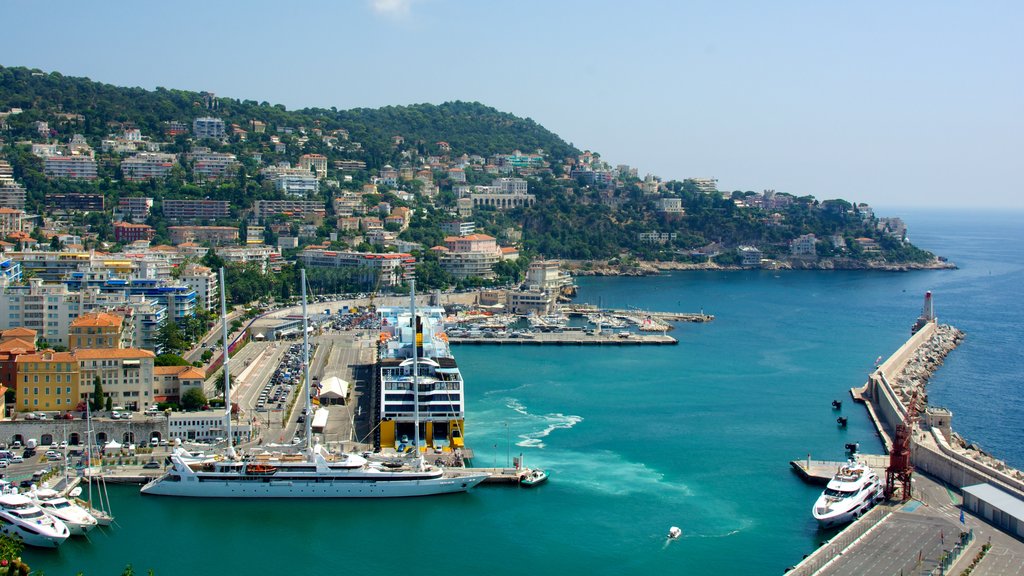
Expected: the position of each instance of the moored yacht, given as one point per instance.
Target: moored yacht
(22, 519)
(312, 473)
(72, 515)
(853, 490)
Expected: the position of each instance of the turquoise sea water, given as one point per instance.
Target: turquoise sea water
(640, 439)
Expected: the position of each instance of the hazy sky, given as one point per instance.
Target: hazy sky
(892, 103)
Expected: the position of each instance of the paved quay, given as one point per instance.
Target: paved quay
(912, 537)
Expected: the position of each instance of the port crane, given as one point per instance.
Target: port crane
(900, 469)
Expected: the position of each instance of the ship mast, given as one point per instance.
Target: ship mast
(227, 372)
(305, 365)
(415, 369)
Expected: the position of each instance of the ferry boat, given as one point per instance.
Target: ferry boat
(71, 514)
(22, 519)
(853, 490)
(312, 473)
(440, 412)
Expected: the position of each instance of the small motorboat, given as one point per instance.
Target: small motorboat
(674, 532)
(533, 478)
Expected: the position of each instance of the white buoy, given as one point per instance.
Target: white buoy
(674, 532)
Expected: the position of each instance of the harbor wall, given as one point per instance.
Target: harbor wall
(931, 451)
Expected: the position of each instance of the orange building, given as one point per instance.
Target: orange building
(100, 330)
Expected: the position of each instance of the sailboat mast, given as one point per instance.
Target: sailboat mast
(227, 373)
(415, 367)
(305, 364)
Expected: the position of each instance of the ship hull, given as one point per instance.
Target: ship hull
(310, 488)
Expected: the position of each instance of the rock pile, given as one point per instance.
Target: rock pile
(927, 359)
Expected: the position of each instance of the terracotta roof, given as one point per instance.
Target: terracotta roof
(96, 319)
(112, 353)
(46, 356)
(509, 250)
(16, 344)
(469, 237)
(168, 370)
(193, 373)
(6, 210)
(18, 331)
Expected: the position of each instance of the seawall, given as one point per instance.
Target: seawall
(935, 448)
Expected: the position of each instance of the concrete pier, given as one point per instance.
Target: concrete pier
(821, 471)
(570, 338)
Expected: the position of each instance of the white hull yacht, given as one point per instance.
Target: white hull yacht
(20, 518)
(72, 515)
(853, 490)
(312, 473)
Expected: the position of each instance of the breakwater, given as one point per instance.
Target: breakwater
(935, 448)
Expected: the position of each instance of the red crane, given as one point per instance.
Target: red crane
(900, 469)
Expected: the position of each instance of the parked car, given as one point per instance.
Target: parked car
(4, 463)
(151, 464)
(16, 459)
(115, 415)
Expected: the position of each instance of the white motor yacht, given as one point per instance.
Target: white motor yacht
(852, 491)
(22, 519)
(72, 515)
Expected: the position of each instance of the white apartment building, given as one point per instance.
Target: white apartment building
(207, 165)
(470, 256)
(315, 163)
(147, 165)
(204, 281)
(260, 254)
(392, 269)
(207, 127)
(74, 167)
(803, 246)
(265, 208)
(134, 208)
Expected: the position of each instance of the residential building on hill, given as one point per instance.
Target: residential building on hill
(315, 163)
(126, 232)
(207, 165)
(71, 167)
(12, 220)
(147, 165)
(265, 208)
(208, 127)
(371, 269)
(804, 246)
(213, 234)
(134, 208)
(100, 330)
(75, 202)
(204, 282)
(469, 256)
(196, 210)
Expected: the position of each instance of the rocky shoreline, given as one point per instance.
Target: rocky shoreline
(653, 268)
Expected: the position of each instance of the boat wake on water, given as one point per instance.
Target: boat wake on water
(555, 421)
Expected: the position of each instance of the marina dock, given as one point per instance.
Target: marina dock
(568, 338)
(821, 471)
(667, 316)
